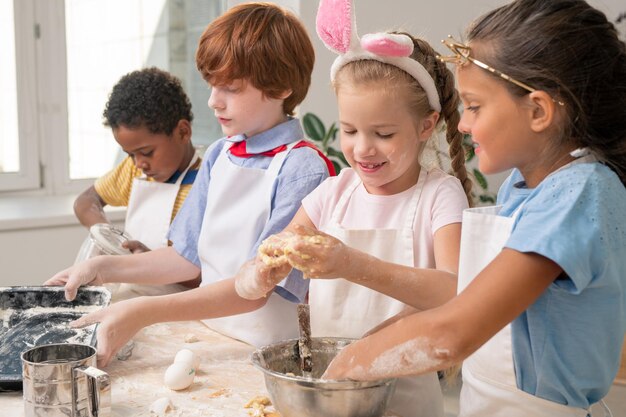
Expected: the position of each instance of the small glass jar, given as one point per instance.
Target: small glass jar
(103, 239)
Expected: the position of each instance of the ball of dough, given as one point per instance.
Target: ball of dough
(179, 376)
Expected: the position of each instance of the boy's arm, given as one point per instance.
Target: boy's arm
(120, 321)
(160, 266)
(89, 208)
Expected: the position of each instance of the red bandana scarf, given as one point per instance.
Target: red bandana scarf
(239, 149)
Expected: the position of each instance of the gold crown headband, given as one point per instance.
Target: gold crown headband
(462, 57)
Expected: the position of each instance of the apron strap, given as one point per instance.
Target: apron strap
(277, 160)
(417, 193)
(342, 204)
(606, 409)
(275, 164)
(181, 177)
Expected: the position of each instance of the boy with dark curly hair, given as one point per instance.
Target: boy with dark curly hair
(150, 117)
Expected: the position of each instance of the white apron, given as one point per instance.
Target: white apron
(150, 207)
(148, 218)
(489, 383)
(238, 206)
(343, 309)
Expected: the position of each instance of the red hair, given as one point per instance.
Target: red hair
(263, 44)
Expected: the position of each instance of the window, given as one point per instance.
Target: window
(81, 49)
(18, 141)
(9, 151)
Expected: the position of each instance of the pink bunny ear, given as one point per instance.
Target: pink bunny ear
(335, 25)
(387, 44)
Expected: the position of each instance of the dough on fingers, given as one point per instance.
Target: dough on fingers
(274, 252)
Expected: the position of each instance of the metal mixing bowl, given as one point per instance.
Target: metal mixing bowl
(296, 396)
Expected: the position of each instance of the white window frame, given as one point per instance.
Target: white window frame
(43, 124)
(28, 177)
(53, 113)
(42, 102)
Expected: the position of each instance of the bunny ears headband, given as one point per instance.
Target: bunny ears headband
(336, 27)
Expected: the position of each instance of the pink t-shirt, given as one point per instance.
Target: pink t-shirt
(441, 203)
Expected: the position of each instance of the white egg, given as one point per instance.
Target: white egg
(179, 376)
(187, 356)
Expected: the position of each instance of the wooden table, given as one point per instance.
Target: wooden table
(225, 382)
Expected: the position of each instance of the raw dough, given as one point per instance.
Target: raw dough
(257, 407)
(274, 249)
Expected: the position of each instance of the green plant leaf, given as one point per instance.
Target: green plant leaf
(335, 153)
(469, 147)
(337, 166)
(343, 160)
(314, 127)
(330, 136)
(469, 153)
(486, 198)
(480, 179)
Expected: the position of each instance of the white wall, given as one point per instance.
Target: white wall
(39, 237)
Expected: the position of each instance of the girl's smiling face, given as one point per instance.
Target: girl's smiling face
(497, 121)
(380, 138)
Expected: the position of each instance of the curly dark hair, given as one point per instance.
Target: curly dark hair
(149, 97)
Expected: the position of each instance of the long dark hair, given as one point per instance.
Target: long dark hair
(570, 50)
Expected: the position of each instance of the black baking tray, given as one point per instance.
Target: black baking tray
(33, 316)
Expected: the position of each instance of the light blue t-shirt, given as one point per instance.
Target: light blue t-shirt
(566, 346)
(302, 171)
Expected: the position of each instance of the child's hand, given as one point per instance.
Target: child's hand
(117, 325)
(272, 250)
(344, 365)
(255, 278)
(316, 254)
(84, 273)
(135, 246)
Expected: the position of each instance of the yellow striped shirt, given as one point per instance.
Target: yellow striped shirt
(115, 186)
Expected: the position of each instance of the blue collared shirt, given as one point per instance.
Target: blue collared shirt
(302, 171)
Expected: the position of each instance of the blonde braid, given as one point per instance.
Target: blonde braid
(450, 102)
